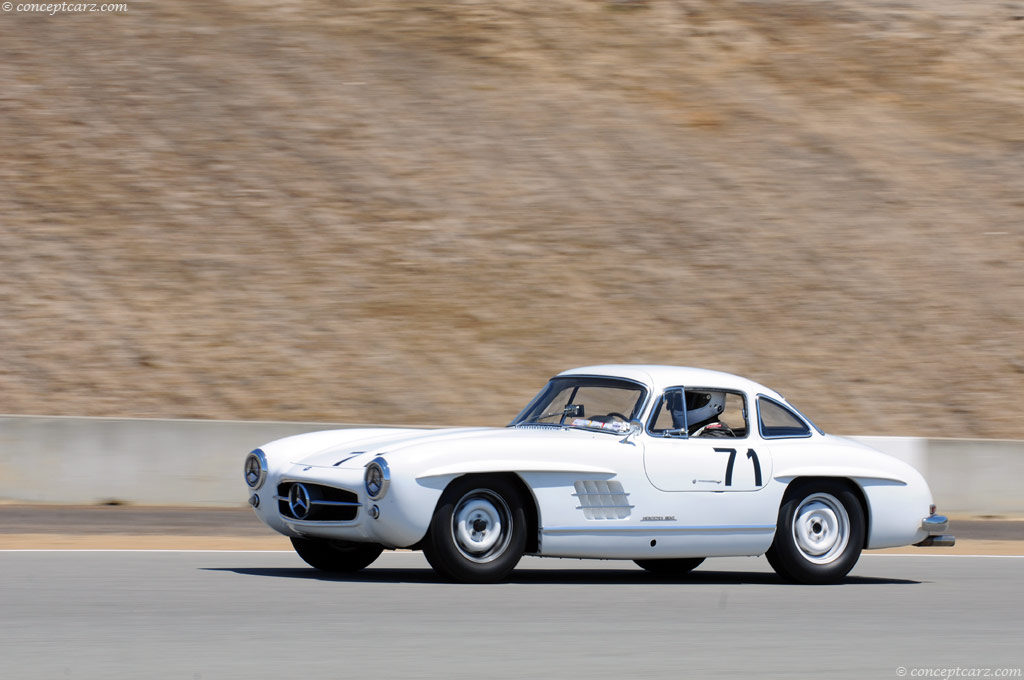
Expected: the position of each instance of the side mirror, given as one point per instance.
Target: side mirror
(635, 428)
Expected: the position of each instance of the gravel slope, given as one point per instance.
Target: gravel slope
(417, 212)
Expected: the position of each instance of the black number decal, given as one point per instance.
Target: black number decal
(728, 467)
(751, 456)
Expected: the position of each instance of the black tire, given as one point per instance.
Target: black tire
(671, 567)
(478, 531)
(339, 557)
(820, 533)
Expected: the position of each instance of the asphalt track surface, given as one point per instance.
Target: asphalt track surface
(192, 615)
(126, 519)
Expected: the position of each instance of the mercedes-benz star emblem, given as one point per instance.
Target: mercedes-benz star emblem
(252, 473)
(298, 501)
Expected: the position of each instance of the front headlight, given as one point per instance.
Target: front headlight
(255, 469)
(377, 478)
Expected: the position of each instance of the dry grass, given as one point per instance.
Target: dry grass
(416, 212)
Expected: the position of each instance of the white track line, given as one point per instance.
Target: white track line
(115, 550)
(291, 552)
(938, 555)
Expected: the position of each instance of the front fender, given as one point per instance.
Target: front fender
(474, 467)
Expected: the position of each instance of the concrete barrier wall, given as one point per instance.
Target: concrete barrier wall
(982, 477)
(140, 461)
(45, 459)
(966, 476)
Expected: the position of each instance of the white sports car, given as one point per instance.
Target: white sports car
(661, 465)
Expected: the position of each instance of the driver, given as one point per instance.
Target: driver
(702, 411)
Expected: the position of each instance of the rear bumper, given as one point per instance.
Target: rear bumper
(936, 526)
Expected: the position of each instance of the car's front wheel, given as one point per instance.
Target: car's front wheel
(671, 567)
(336, 556)
(478, 532)
(820, 533)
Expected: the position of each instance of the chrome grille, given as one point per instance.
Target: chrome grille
(327, 504)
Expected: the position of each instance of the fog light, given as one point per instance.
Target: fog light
(375, 512)
(254, 500)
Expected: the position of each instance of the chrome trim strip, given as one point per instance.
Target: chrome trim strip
(590, 507)
(313, 523)
(659, 529)
(353, 505)
(607, 493)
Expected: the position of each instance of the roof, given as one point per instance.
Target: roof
(659, 378)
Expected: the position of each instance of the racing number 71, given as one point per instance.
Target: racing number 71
(751, 456)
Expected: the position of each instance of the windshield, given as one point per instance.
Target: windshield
(606, 404)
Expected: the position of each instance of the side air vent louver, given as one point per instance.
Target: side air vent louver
(602, 500)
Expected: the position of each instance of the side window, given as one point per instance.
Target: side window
(730, 421)
(663, 411)
(778, 421)
(735, 414)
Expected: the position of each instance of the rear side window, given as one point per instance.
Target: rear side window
(778, 421)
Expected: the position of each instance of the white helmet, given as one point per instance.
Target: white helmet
(703, 406)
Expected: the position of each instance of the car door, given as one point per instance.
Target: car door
(705, 465)
(710, 480)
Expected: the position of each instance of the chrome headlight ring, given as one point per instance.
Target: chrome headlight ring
(255, 470)
(377, 478)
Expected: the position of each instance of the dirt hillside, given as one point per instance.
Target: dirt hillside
(392, 211)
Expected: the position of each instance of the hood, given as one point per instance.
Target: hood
(355, 448)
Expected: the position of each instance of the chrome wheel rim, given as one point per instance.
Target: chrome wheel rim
(481, 526)
(821, 528)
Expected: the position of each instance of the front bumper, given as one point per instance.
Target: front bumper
(397, 520)
(936, 526)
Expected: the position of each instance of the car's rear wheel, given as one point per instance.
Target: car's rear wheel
(671, 567)
(820, 533)
(336, 556)
(478, 532)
